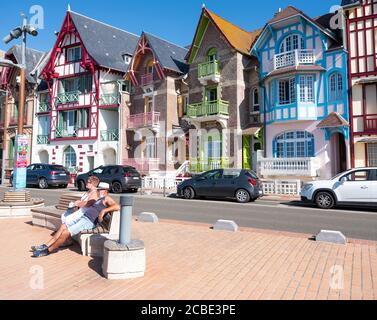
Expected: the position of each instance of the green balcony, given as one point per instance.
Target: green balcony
(110, 135)
(209, 71)
(110, 99)
(203, 165)
(44, 107)
(68, 97)
(207, 109)
(43, 139)
(64, 133)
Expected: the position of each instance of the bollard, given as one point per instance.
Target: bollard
(126, 203)
(164, 187)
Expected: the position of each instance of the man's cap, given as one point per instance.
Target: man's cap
(103, 186)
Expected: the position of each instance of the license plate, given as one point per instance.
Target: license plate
(62, 174)
(136, 178)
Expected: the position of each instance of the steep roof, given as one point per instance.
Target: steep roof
(170, 56)
(333, 120)
(241, 40)
(33, 57)
(349, 2)
(105, 43)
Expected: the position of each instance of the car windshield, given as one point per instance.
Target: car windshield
(57, 168)
(252, 175)
(339, 175)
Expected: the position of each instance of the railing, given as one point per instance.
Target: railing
(202, 165)
(370, 122)
(43, 139)
(294, 58)
(276, 187)
(218, 107)
(64, 133)
(68, 97)
(110, 135)
(208, 69)
(143, 165)
(110, 99)
(146, 79)
(274, 167)
(44, 107)
(143, 120)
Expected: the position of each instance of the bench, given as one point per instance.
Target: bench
(90, 241)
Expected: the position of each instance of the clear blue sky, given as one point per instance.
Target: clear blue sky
(173, 20)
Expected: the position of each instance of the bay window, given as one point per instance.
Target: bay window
(307, 89)
(295, 144)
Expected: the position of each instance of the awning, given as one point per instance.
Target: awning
(367, 140)
(334, 120)
(366, 80)
(250, 131)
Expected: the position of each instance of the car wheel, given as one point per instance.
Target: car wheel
(42, 183)
(242, 196)
(189, 193)
(325, 200)
(117, 187)
(81, 185)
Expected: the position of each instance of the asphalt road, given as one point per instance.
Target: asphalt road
(355, 223)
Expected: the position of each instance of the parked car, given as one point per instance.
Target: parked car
(352, 187)
(243, 185)
(46, 175)
(120, 178)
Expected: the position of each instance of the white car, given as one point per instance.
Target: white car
(353, 187)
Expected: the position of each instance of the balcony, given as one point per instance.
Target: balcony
(43, 139)
(202, 165)
(146, 79)
(208, 109)
(297, 167)
(143, 165)
(110, 135)
(294, 58)
(65, 133)
(370, 123)
(44, 107)
(110, 99)
(68, 97)
(143, 120)
(209, 71)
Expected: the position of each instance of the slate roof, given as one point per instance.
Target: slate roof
(105, 44)
(33, 57)
(333, 120)
(349, 2)
(170, 56)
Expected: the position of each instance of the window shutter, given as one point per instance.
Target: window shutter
(180, 106)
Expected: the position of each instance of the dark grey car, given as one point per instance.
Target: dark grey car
(120, 178)
(243, 185)
(46, 175)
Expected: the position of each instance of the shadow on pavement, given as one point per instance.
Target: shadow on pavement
(345, 208)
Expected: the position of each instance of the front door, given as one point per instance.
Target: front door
(339, 154)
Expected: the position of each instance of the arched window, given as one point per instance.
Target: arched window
(212, 55)
(295, 144)
(70, 160)
(292, 42)
(335, 87)
(255, 106)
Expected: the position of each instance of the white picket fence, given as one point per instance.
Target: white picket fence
(275, 187)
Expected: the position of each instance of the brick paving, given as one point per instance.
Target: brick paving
(191, 261)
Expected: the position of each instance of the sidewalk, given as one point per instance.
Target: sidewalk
(191, 261)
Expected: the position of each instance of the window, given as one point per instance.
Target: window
(255, 100)
(287, 91)
(74, 54)
(298, 144)
(212, 55)
(231, 174)
(82, 84)
(335, 87)
(292, 42)
(70, 158)
(44, 126)
(362, 175)
(214, 147)
(307, 89)
(150, 150)
(149, 67)
(372, 154)
(213, 175)
(127, 58)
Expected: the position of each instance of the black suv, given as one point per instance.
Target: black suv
(120, 178)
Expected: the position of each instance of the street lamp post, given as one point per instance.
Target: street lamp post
(21, 147)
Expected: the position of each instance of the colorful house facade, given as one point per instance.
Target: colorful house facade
(303, 72)
(154, 139)
(78, 115)
(361, 20)
(223, 102)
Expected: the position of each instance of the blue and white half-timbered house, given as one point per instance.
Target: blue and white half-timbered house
(303, 71)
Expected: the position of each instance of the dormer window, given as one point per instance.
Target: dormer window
(74, 54)
(127, 58)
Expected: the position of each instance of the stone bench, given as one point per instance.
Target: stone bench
(90, 241)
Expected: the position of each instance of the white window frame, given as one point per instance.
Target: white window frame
(336, 86)
(72, 55)
(307, 89)
(255, 107)
(69, 155)
(291, 98)
(291, 43)
(372, 154)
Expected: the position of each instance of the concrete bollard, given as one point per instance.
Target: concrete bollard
(331, 237)
(147, 217)
(225, 225)
(124, 259)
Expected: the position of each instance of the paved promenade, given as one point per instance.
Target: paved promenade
(191, 261)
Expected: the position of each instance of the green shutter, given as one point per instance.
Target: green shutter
(246, 152)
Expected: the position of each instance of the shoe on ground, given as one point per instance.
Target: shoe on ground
(41, 253)
(39, 248)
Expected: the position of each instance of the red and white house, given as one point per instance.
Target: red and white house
(361, 30)
(78, 109)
